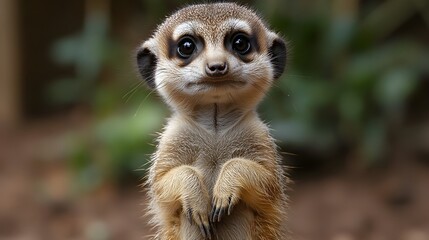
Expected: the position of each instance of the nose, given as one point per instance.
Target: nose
(216, 69)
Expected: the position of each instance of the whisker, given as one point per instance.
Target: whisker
(138, 108)
(130, 93)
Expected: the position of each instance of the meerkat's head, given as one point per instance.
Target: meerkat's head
(212, 53)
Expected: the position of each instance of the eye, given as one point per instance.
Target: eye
(241, 44)
(186, 47)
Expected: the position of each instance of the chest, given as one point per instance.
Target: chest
(211, 151)
(190, 144)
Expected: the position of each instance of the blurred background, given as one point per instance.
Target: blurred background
(351, 115)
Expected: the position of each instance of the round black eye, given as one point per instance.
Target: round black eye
(241, 44)
(186, 47)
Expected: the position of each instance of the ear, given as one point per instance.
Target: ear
(146, 63)
(278, 55)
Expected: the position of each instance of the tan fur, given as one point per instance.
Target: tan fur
(215, 151)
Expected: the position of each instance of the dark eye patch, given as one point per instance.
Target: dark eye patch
(241, 44)
(186, 48)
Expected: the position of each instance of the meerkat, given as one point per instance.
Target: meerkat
(216, 173)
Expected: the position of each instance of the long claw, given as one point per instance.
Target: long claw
(189, 215)
(230, 205)
(222, 210)
(203, 231)
(211, 217)
(210, 228)
(216, 211)
(213, 212)
(214, 216)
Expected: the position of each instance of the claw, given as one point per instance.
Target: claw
(218, 210)
(210, 228)
(216, 214)
(211, 217)
(221, 211)
(230, 206)
(203, 231)
(189, 215)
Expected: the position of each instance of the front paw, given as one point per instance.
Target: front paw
(197, 211)
(224, 199)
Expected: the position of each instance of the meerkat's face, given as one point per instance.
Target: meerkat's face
(212, 53)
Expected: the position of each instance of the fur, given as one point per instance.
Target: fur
(216, 173)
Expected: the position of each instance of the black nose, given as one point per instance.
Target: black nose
(216, 69)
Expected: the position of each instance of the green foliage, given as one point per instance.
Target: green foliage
(117, 148)
(87, 51)
(345, 84)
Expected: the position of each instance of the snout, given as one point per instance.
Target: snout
(216, 69)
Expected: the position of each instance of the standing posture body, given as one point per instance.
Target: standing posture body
(216, 173)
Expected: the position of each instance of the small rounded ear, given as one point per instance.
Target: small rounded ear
(278, 55)
(146, 62)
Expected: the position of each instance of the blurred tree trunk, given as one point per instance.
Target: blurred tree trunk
(9, 77)
(41, 25)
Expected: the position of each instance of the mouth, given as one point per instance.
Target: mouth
(217, 83)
